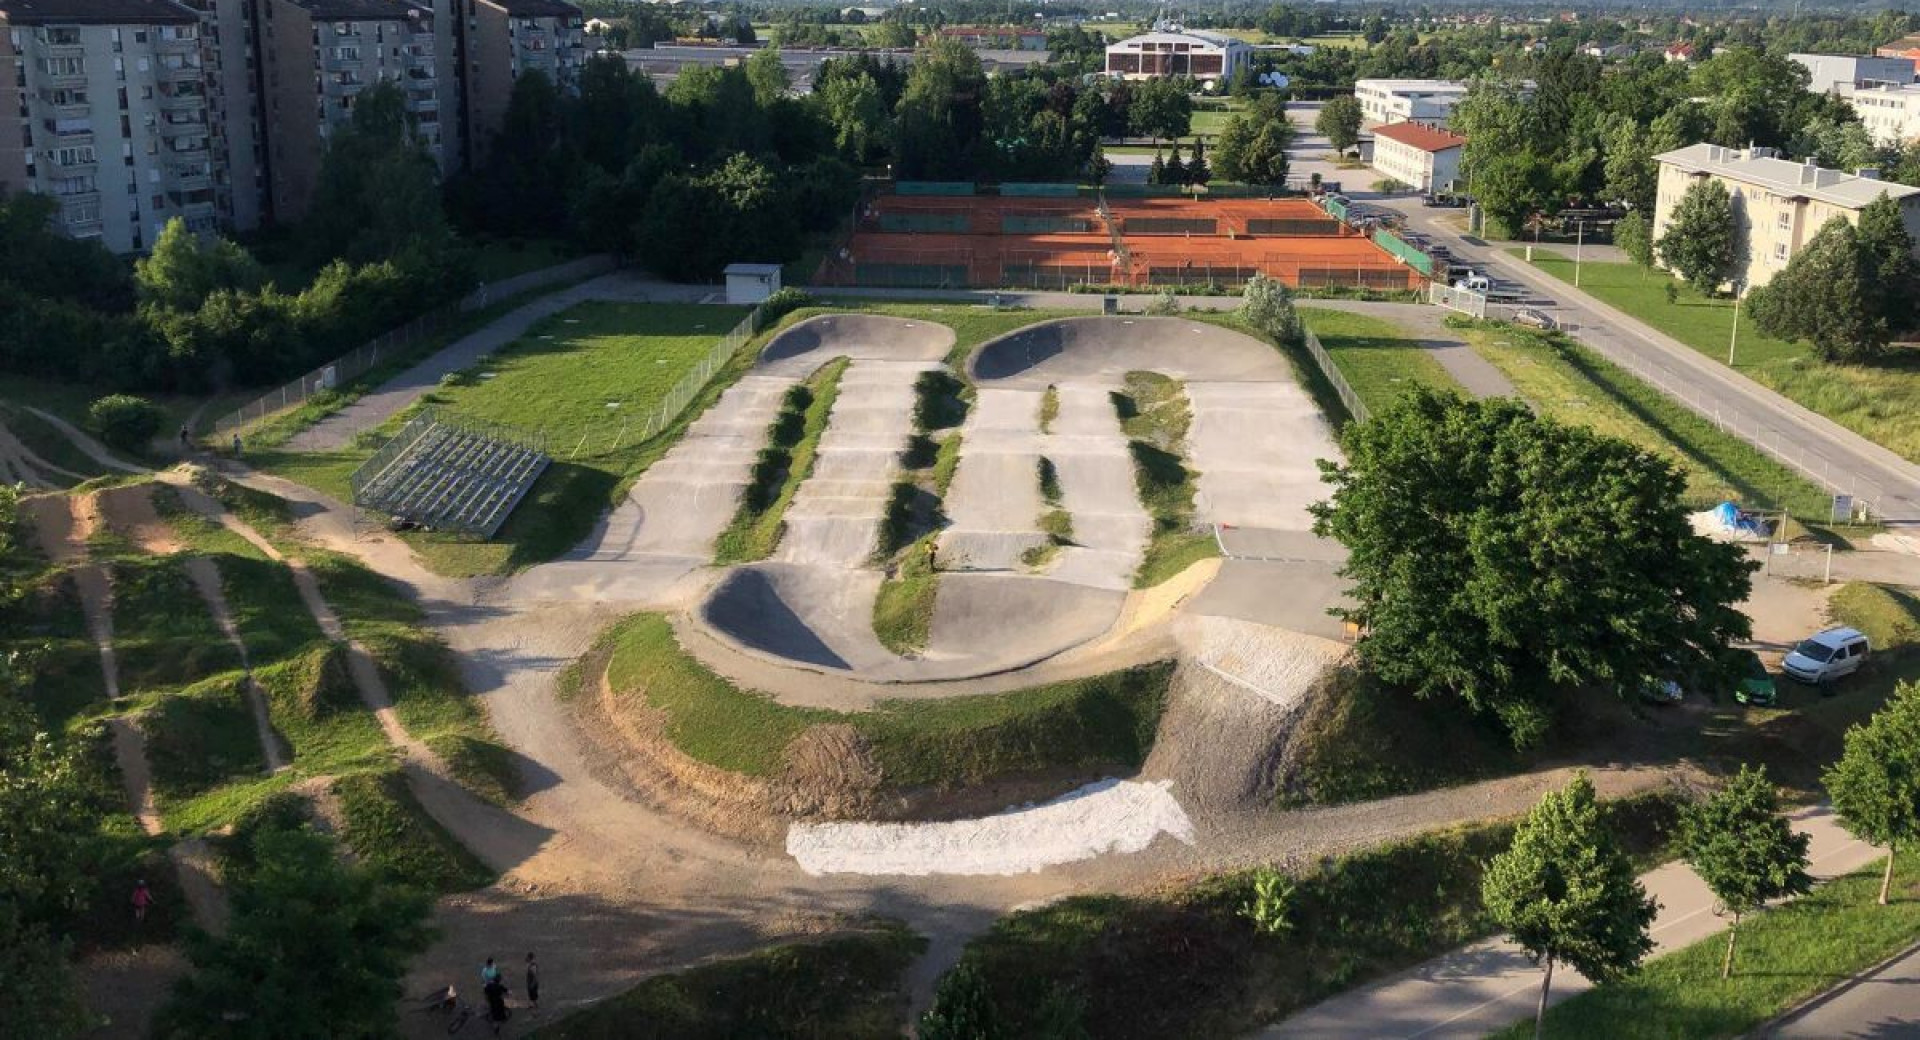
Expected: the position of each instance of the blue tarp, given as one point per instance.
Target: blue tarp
(1733, 518)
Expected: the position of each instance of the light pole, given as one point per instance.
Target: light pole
(1579, 240)
(1734, 339)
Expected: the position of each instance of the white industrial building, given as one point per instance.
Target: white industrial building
(1890, 113)
(1418, 155)
(1407, 100)
(1178, 52)
(1834, 73)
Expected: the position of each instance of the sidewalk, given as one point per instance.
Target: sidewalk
(1490, 985)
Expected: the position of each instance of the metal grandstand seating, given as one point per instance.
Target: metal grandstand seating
(449, 475)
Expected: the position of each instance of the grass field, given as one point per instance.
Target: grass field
(1785, 955)
(1378, 358)
(1106, 720)
(1880, 402)
(1565, 381)
(849, 987)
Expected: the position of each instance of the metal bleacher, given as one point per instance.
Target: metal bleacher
(449, 476)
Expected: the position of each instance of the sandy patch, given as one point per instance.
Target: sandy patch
(1271, 663)
(129, 512)
(1104, 817)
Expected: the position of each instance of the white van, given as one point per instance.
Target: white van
(1825, 656)
(1474, 282)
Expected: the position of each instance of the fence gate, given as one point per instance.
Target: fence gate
(1462, 300)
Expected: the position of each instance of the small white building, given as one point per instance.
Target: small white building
(752, 283)
(1833, 73)
(1890, 113)
(1418, 155)
(1178, 52)
(1407, 100)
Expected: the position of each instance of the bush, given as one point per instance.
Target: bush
(125, 421)
(783, 303)
(1269, 308)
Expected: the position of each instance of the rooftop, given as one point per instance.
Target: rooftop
(535, 8)
(95, 12)
(1781, 177)
(1183, 36)
(362, 10)
(1396, 85)
(1421, 136)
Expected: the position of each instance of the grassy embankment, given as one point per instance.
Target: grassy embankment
(1786, 954)
(849, 986)
(1378, 358)
(1155, 416)
(580, 380)
(1186, 962)
(793, 440)
(1103, 721)
(1880, 402)
(903, 608)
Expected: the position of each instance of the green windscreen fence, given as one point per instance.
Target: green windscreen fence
(932, 187)
(950, 223)
(1041, 191)
(1137, 191)
(1404, 251)
(1169, 226)
(1043, 224)
(1335, 208)
(1281, 226)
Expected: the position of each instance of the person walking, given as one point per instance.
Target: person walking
(142, 898)
(533, 984)
(489, 972)
(497, 1012)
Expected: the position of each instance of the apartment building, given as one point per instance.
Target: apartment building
(1778, 206)
(1420, 156)
(1890, 113)
(507, 39)
(1407, 100)
(1833, 73)
(108, 114)
(319, 56)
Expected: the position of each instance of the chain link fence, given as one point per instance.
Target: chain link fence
(1355, 407)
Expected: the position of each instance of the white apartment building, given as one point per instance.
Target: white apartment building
(1178, 52)
(106, 110)
(1417, 155)
(1778, 206)
(1890, 113)
(1831, 73)
(1407, 100)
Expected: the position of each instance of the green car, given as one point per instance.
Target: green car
(1755, 686)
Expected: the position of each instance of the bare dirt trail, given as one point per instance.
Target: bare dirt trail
(20, 465)
(89, 447)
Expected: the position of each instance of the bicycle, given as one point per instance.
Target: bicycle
(458, 1011)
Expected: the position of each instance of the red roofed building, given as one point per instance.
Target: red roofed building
(1418, 155)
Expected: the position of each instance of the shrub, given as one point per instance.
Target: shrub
(783, 303)
(125, 421)
(1268, 307)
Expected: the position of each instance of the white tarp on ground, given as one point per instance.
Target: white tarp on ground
(1103, 817)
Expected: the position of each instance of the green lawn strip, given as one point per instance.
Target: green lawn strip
(70, 401)
(1566, 381)
(1785, 955)
(1889, 616)
(387, 829)
(500, 259)
(1054, 522)
(903, 607)
(163, 634)
(1379, 359)
(784, 464)
(1879, 402)
(422, 675)
(1108, 719)
(1185, 962)
(317, 709)
(45, 635)
(849, 987)
(1155, 416)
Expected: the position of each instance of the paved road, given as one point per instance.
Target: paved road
(1489, 985)
(1884, 1005)
(1817, 446)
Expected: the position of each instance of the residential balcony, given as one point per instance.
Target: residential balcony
(423, 104)
(69, 131)
(190, 181)
(419, 59)
(182, 102)
(183, 73)
(188, 146)
(166, 45)
(79, 111)
(74, 169)
(184, 129)
(49, 78)
(344, 64)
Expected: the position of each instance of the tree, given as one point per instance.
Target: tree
(1160, 108)
(1634, 238)
(1875, 786)
(857, 112)
(1892, 271)
(1549, 558)
(183, 270)
(1827, 296)
(938, 122)
(768, 75)
(962, 1007)
(377, 194)
(1744, 850)
(1566, 891)
(125, 421)
(39, 995)
(1267, 305)
(1339, 120)
(1253, 153)
(1197, 171)
(1632, 176)
(315, 948)
(1699, 244)
(1176, 169)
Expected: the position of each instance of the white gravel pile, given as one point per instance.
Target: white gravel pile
(1273, 663)
(1108, 816)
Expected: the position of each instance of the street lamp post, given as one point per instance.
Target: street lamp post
(1579, 240)
(1734, 339)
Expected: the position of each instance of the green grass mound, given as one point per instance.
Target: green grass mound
(846, 988)
(316, 707)
(201, 737)
(388, 830)
(1107, 720)
(163, 634)
(903, 606)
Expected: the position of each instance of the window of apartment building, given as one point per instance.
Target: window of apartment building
(139, 36)
(58, 35)
(73, 155)
(123, 99)
(143, 66)
(126, 127)
(65, 66)
(347, 53)
(1780, 251)
(77, 185)
(1783, 221)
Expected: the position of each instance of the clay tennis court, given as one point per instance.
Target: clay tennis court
(1054, 243)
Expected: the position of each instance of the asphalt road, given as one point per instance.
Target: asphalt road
(1884, 1005)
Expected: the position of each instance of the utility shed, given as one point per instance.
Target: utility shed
(752, 283)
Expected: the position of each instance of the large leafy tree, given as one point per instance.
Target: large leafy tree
(1827, 295)
(1893, 273)
(1339, 120)
(938, 122)
(184, 269)
(315, 949)
(1875, 786)
(1744, 850)
(1699, 244)
(1253, 146)
(1498, 556)
(1566, 891)
(378, 192)
(1160, 108)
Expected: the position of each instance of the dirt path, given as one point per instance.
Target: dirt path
(19, 465)
(89, 447)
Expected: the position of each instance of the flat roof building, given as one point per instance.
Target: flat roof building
(1778, 206)
(1890, 113)
(1202, 55)
(1407, 100)
(1830, 73)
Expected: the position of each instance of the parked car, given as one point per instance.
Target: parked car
(1824, 657)
(1473, 281)
(1755, 685)
(1534, 319)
